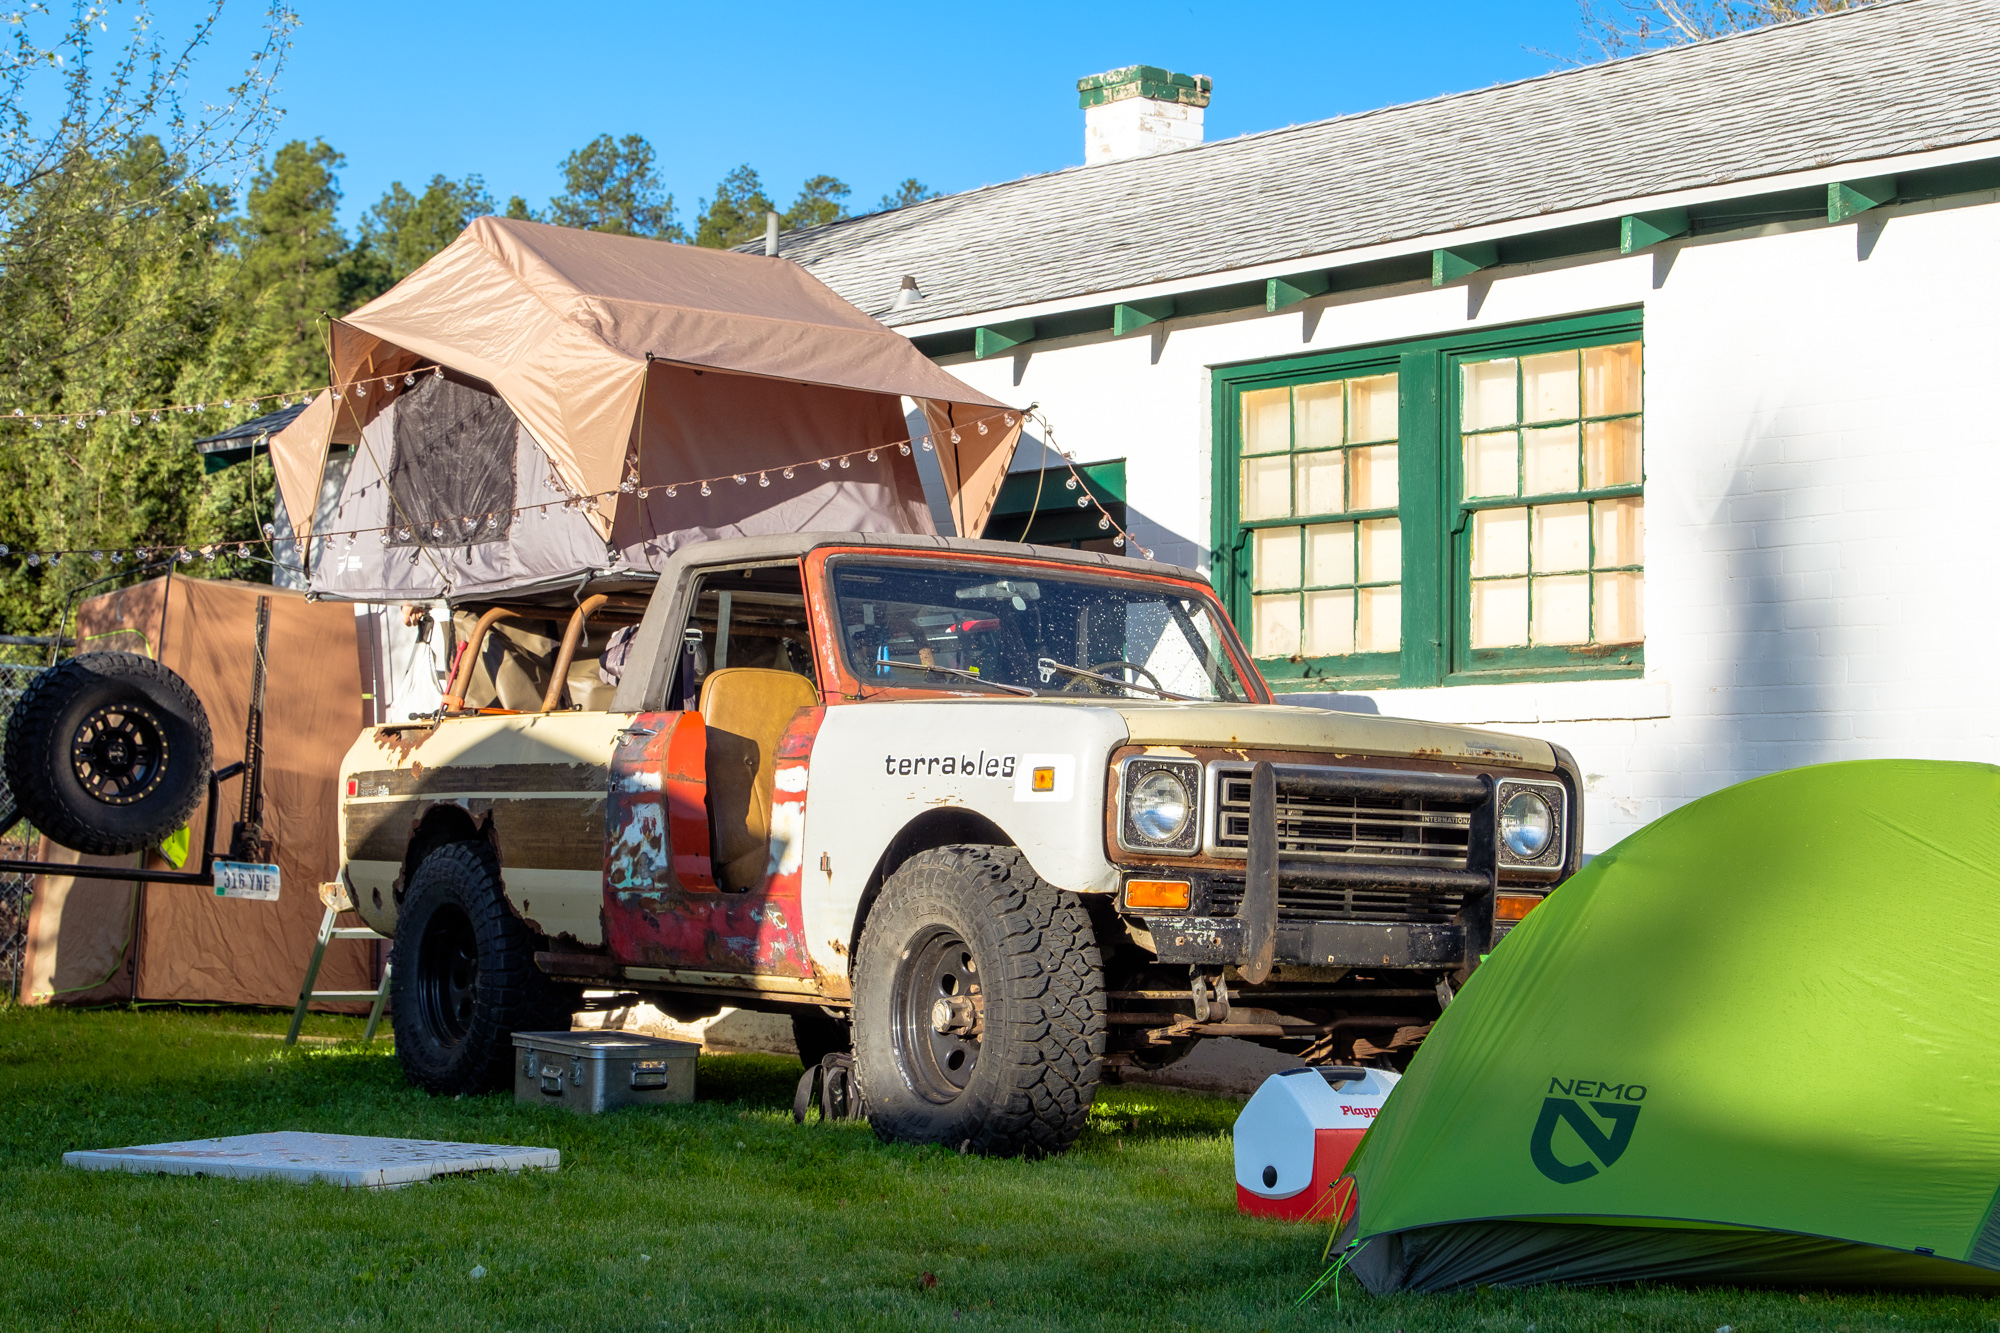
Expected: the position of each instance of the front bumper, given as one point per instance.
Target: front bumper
(1220, 941)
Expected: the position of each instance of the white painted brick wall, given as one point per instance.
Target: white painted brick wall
(1821, 455)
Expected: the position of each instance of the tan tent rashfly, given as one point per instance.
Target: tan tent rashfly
(612, 359)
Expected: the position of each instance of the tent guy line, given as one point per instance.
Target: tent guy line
(469, 525)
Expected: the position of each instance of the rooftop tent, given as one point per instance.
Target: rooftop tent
(1753, 1043)
(529, 368)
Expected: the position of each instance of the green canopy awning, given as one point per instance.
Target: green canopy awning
(1756, 1042)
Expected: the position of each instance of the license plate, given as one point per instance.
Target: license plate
(244, 879)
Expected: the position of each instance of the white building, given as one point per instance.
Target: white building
(1648, 407)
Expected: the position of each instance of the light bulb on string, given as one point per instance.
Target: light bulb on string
(1103, 523)
(671, 491)
(1007, 417)
(954, 437)
(33, 559)
(927, 446)
(437, 372)
(360, 390)
(825, 466)
(705, 490)
(763, 479)
(845, 461)
(788, 474)
(904, 448)
(740, 479)
(1119, 540)
(1083, 502)
(269, 530)
(409, 380)
(1071, 483)
(982, 428)
(871, 455)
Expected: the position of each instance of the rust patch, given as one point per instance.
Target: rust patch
(839, 949)
(831, 985)
(402, 742)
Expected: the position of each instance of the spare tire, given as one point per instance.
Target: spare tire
(108, 753)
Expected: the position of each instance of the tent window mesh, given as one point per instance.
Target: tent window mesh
(451, 476)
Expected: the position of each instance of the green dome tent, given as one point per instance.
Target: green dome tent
(1757, 1042)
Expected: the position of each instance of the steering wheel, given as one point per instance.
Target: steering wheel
(1101, 667)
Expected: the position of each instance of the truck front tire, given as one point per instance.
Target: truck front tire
(464, 976)
(978, 1006)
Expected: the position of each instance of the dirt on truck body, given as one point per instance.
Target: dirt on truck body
(999, 818)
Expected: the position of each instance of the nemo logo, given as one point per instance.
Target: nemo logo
(1606, 1147)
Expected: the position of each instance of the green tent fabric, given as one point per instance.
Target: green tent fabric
(1757, 1042)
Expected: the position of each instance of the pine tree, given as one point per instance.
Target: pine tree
(404, 229)
(610, 185)
(911, 191)
(819, 203)
(736, 215)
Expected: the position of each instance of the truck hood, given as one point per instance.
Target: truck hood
(1287, 727)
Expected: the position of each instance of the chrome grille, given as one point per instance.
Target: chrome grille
(1329, 902)
(1366, 829)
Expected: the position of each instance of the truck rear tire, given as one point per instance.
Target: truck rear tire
(464, 974)
(978, 1006)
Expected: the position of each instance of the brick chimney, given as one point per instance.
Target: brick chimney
(1140, 110)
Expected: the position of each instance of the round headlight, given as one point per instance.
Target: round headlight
(1158, 806)
(1527, 824)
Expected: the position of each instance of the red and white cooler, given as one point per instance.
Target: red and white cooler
(1295, 1136)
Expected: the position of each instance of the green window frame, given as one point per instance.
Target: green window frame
(1536, 576)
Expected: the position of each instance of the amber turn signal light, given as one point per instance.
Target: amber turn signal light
(1514, 906)
(1157, 893)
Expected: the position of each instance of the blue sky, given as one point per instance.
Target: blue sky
(956, 95)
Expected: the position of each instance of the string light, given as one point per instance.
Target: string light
(465, 525)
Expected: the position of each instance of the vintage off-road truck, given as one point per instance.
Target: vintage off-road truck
(1007, 816)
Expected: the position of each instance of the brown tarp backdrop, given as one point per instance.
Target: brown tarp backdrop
(619, 359)
(99, 941)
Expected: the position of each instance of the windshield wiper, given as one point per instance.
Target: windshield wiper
(1049, 664)
(963, 675)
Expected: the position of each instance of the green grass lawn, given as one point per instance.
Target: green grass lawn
(721, 1215)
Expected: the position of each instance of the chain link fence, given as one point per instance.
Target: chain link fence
(15, 890)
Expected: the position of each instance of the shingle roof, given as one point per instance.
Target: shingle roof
(1895, 78)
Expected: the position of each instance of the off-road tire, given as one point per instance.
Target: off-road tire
(819, 1034)
(108, 753)
(464, 974)
(1040, 979)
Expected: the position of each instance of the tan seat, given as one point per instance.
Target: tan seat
(747, 710)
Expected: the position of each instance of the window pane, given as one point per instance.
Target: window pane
(1316, 416)
(1499, 542)
(1329, 623)
(1374, 477)
(1611, 453)
(1500, 614)
(1319, 482)
(1487, 394)
(1330, 554)
(1621, 608)
(1373, 409)
(1380, 620)
(1267, 487)
(1548, 460)
(1620, 532)
(1267, 421)
(1611, 380)
(1274, 623)
(1491, 467)
(1274, 558)
(1562, 537)
(1562, 610)
(1549, 387)
(1381, 551)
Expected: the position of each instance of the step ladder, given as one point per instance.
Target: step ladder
(336, 898)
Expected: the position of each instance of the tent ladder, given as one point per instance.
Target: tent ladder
(335, 897)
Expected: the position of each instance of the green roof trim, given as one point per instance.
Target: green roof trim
(1844, 199)
(993, 339)
(1131, 316)
(1642, 231)
(1453, 263)
(1142, 81)
(1282, 292)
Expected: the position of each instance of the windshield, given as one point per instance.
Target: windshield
(1018, 630)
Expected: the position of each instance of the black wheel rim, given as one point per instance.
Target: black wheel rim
(938, 1013)
(119, 754)
(447, 975)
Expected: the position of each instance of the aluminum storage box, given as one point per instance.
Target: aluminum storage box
(601, 1071)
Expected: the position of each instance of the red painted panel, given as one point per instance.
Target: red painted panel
(662, 907)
